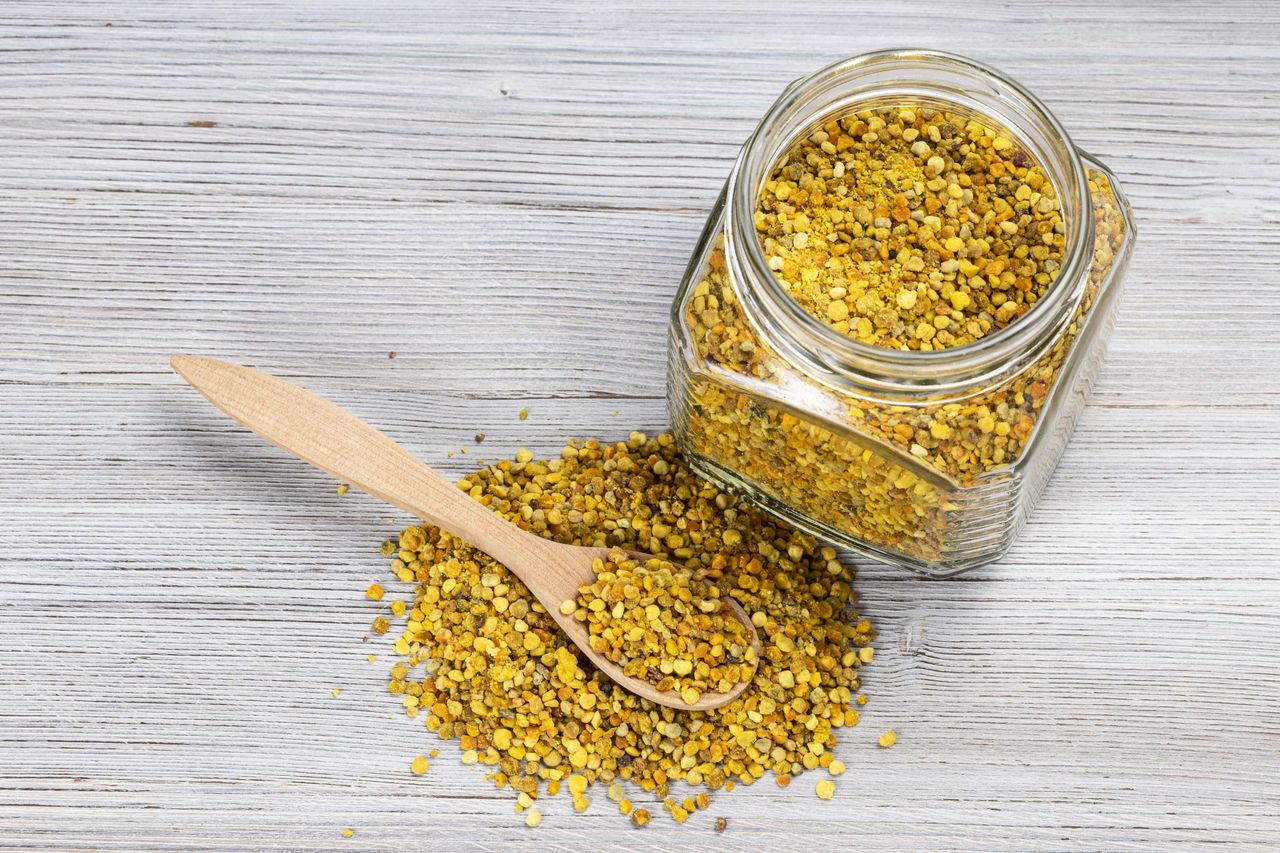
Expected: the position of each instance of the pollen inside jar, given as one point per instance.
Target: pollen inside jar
(956, 278)
(911, 227)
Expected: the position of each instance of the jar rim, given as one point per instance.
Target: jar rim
(844, 361)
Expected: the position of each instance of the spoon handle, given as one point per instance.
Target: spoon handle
(336, 441)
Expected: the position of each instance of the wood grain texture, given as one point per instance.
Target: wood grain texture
(505, 196)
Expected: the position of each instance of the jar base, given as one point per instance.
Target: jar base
(729, 481)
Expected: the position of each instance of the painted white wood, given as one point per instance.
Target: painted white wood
(505, 195)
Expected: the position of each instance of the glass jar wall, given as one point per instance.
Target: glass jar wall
(928, 458)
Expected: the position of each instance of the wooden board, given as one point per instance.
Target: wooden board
(505, 196)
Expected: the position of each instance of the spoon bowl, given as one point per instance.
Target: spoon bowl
(568, 567)
(337, 442)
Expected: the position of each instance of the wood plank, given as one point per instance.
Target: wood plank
(505, 196)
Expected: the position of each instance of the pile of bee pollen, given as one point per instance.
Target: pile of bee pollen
(483, 663)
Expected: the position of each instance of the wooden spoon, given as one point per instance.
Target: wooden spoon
(334, 440)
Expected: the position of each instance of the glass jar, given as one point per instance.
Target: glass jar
(930, 460)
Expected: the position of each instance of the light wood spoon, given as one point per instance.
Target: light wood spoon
(336, 441)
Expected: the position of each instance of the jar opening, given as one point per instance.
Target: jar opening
(902, 78)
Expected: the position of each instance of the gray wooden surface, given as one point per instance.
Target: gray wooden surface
(505, 196)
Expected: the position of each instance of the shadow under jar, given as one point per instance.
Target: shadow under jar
(928, 457)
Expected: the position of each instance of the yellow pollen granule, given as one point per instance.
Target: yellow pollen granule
(888, 739)
(420, 765)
